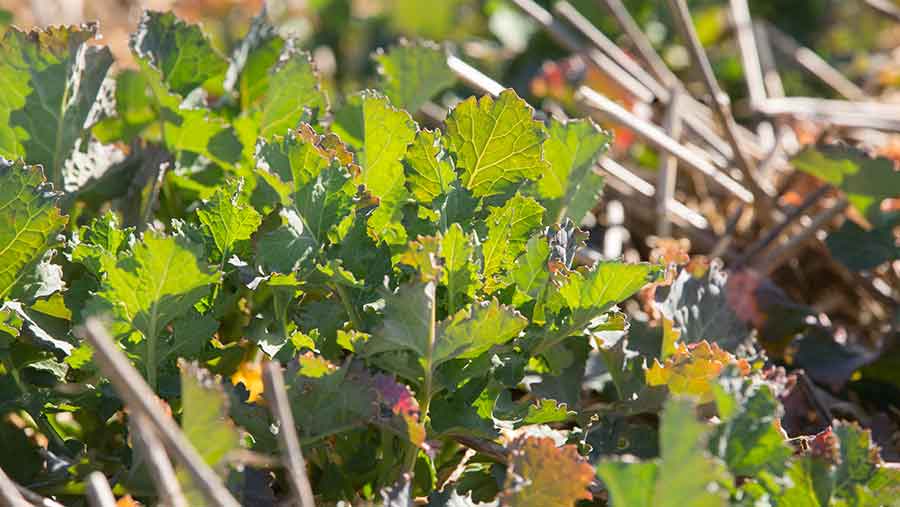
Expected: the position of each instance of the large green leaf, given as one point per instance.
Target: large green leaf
(748, 441)
(412, 73)
(252, 60)
(591, 293)
(310, 175)
(865, 180)
(292, 93)
(50, 79)
(509, 227)
(530, 273)
(178, 50)
(683, 475)
(156, 282)
(29, 221)
(174, 58)
(572, 149)
(497, 143)
(388, 132)
(474, 330)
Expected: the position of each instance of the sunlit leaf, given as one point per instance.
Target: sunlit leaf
(29, 220)
(865, 180)
(412, 73)
(497, 144)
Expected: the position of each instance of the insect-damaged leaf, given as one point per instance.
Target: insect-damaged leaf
(51, 79)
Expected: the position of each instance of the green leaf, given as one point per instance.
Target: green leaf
(585, 197)
(749, 442)
(458, 273)
(146, 107)
(252, 60)
(859, 459)
(174, 58)
(607, 284)
(388, 132)
(292, 93)
(683, 475)
(288, 248)
(51, 79)
(811, 484)
(99, 242)
(530, 273)
(541, 474)
(543, 411)
(409, 324)
(412, 73)
(178, 50)
(473, 331)
(865, 180)
(308, 172)
(497, 143)
(429, 170)
(862, 250)
(157, 282)
(205, 423)
(29, 221)
(508, 227)
(572, 149)
(228, 219)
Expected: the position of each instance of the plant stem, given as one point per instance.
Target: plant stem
(344, 296)
(428, 383)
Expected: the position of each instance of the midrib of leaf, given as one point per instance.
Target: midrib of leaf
(154, 318)
(387, 142)
(478, 167)
(60, 118)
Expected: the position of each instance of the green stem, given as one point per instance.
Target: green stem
(221, 281)
(428, 383)
(344, 296)
(151, 362)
